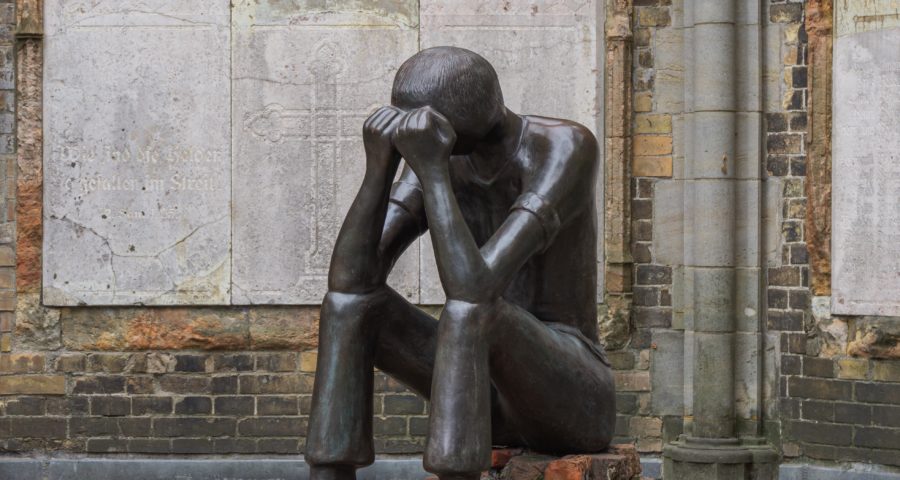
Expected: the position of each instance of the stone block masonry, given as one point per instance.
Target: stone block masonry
(633, 350)
(176, 380)
(838, 382)
(188, 402)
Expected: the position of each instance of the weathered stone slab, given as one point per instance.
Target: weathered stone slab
(667, 372)
(306, 76)
(155, 329)
(36, 327)
(136, 152)
(221, 173)
(872, 15)
(866, 220)
(545, 52)
(548, 56)
(178, 328)
(668, 223)
(875, 338)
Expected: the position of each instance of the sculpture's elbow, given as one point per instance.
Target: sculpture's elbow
(347, 282)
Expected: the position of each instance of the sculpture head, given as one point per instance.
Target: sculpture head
(458, 83)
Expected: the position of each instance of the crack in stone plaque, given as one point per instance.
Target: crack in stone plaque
(137, 152)
(215, 147)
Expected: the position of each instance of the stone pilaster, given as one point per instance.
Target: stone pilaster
(29, 138)
(818, 141)
(722, 255)
(614, 317)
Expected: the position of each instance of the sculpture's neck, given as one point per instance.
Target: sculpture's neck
(497, 149)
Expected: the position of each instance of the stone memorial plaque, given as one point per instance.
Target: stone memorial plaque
(182, 167)
(137, 160)
(549, 56)
(866, 158)
(305, 79)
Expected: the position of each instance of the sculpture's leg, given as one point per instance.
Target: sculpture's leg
(459, 440)
(552, 389)
(351, 328)
(340, 430)
(406, 344)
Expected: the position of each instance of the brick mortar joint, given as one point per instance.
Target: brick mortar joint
(636, 196)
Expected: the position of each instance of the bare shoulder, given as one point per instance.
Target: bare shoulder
(566, 143)
(564, 163)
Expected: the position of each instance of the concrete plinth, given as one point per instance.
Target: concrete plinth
(719, 459)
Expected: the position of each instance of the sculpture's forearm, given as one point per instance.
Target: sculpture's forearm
(469, 272)
(464, 273)
(356, 265)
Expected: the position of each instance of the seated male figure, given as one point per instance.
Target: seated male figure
(509, 202)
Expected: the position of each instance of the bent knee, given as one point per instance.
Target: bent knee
(469, 315)
(344, 307)
(458, 309)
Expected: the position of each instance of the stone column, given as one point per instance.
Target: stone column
(720, 185)
(711, 174)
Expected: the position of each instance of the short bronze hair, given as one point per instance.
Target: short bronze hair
(458, 83)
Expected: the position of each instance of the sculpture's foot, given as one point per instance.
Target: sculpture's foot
(332, 473)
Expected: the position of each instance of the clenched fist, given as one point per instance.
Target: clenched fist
(378, 130)
(425, 139)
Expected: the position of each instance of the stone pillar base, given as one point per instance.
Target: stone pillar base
(691, 458)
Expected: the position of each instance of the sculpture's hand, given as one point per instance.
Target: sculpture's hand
(425, 138)
(377, 132)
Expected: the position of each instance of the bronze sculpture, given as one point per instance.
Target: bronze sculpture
(509, 203)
